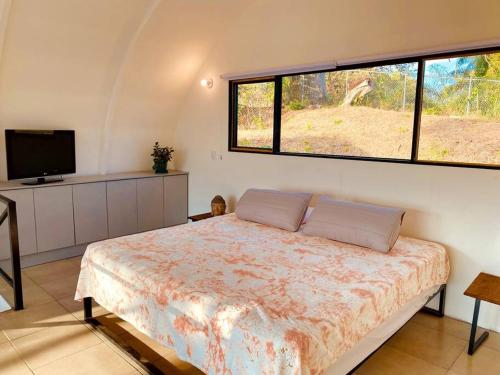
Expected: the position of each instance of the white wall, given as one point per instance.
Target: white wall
(456, 207)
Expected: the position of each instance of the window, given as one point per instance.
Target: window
(254, 112)
(361, 112)
(461, 110)
(442, 109)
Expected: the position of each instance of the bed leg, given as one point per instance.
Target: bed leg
(87, 308)
(442, 299)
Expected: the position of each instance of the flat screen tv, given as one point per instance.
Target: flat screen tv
(39, 153)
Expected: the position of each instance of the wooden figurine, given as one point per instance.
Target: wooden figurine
(218, 206)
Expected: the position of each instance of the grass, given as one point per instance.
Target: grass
(364, 131)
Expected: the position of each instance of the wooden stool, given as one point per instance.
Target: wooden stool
(485, 287)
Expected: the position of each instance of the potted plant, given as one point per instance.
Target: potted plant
(161, 156)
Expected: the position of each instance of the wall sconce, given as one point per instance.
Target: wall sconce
(208, 83)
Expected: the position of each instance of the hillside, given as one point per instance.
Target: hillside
(364, 131)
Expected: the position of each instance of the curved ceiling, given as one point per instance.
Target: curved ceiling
(113, 70)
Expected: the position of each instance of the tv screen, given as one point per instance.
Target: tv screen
(39, 153)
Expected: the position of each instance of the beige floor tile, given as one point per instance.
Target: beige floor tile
(53, 271)
(3, 285)
(10, 362)
(390, 361)
(21, 323)
(433, 346)
(64, 287)
(97, 360)
(76, 260)
(34, 295)
(3, 337)
(455, 328)
(484, 361)
(451, 326)
(493, 341)
(26, 279)
(48, 345)
(76, 307)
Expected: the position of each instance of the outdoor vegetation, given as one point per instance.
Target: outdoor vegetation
(370, 112)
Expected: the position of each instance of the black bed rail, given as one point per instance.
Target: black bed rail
(14, 281)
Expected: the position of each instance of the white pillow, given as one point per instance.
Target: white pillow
(272, 207)
(362, 224)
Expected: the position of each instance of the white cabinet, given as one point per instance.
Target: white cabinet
(90, 211)
(86, 209)
(54, 217)
(175, 197)
(150, 203)
(25, 223)
(122, 207)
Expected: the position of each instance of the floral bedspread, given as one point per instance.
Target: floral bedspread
(235, 297)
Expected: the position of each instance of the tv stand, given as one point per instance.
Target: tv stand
(42, 181)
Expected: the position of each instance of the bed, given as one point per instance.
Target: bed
(236, 297)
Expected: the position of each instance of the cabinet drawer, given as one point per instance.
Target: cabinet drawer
(175, 198)
(91, 213)
(150, 203)
(54, 217)
(122, 207)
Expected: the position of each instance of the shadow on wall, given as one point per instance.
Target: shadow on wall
(231, 203)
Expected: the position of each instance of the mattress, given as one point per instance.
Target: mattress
(376, 338)
(235, 297)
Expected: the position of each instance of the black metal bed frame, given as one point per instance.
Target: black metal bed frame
(428, 310)
(15, 281)
(152, 369)
(126, 349)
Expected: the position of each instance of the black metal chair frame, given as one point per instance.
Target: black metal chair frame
(15, 281)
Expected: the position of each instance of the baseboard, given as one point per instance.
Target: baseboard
(51, 256)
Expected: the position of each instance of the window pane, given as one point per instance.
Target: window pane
(255, 115)
(362, 112)
(461, 110)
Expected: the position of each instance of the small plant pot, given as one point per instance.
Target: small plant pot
(160, 167)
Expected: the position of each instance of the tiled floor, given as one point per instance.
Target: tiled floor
(49, 337)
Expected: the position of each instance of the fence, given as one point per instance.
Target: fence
(394, 90)
(378, 89)
(462, 96)
(446, 95)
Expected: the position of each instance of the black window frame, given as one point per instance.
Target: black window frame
(233, 115)
(278, 78)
